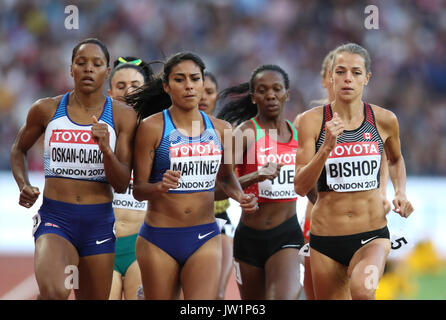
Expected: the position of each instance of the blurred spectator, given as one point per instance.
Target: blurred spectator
(408, 53)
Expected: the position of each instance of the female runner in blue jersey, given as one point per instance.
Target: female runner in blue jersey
(87, 151)
(179, 156)
(340, 150)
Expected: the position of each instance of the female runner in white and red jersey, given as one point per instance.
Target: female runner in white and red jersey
(266, 243)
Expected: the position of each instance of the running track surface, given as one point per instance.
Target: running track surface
(17, 280)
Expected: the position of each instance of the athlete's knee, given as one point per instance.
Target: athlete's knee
(282, 291)
(282, 295)
(359, 292)
(50, 291)
(363, 288)
(363, 285)
(221, 294)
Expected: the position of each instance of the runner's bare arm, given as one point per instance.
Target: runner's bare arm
(34, 127)
(148, 136)
(231, 155)
(397, 169)
(309, 164)
(118, 164)
(383, 179)
(241, 140)
(312, 194)
(226, 179)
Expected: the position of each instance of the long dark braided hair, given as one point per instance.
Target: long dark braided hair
(151, 97)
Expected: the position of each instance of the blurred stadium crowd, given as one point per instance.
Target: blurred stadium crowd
(233, 37)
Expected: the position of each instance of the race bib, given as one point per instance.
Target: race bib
(282, 187)
(353, 166)
(237, 273)
(74, 154)
(399, 244)
(305, 250)
(221, 223)
(126, 200)
(36, 223)
(198, 164)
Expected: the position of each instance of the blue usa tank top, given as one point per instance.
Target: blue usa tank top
(197, 158)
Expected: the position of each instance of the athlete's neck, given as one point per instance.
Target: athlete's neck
(89, 101)
(278, 123)
(348, 110)
(189, 120)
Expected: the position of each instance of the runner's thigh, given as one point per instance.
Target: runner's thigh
(200, 275)
(54, 259)
(159, 271)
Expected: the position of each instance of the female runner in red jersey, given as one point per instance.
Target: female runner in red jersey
(266, 243)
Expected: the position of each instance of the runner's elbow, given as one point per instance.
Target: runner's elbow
(300, 191)
(138, 197)
(137, 194)
(300, 188)
(120, 189)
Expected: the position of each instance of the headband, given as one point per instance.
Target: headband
(136, 62)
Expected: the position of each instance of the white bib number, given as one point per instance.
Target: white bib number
(282, 187)
(305, 250)
(197, 173)
(36, 223)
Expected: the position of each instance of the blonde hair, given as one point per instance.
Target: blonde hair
(327, 63)
(354, 49)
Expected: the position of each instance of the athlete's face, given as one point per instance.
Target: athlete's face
(209, 97)
(185, 85)
(89, 68)
(269, 93)
(125, 81)
(349, 76)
